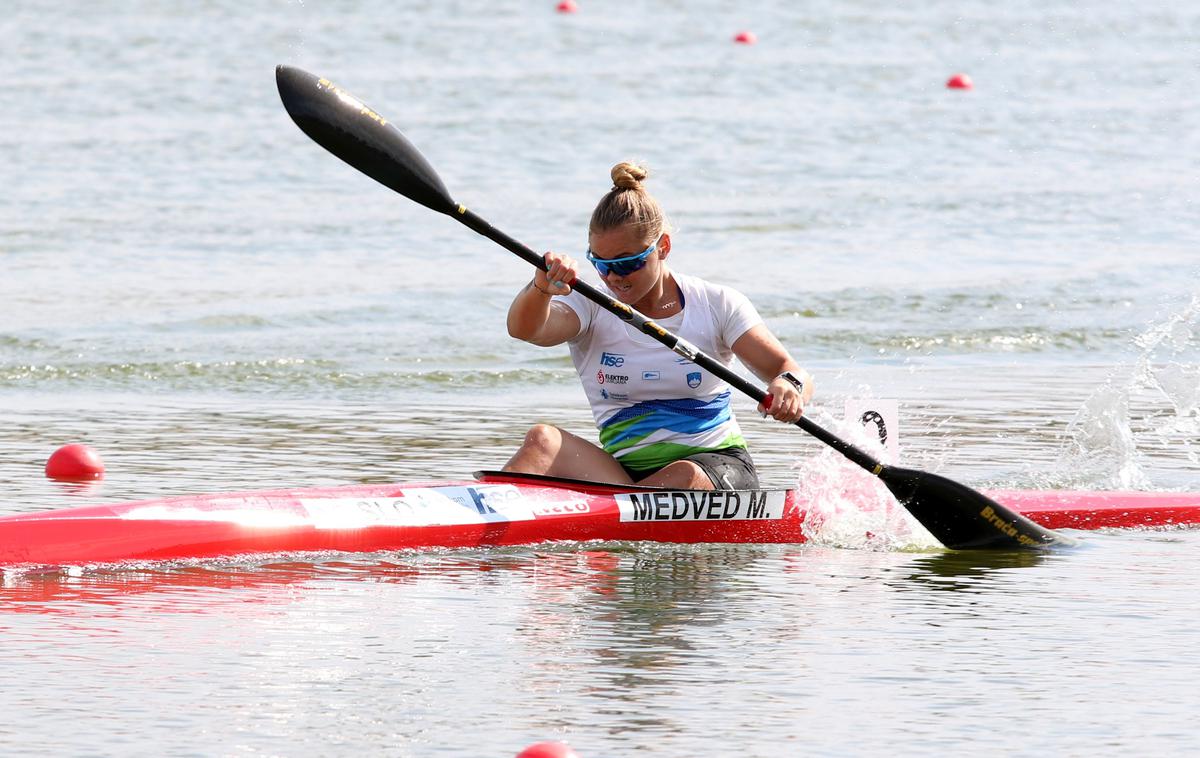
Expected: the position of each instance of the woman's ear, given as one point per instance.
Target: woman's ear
(664, 246)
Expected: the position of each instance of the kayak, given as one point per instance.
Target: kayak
(494, 509)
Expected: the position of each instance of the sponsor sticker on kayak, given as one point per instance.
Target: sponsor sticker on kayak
(716, 505)
(434, 506)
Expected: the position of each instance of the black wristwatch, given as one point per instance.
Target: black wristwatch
(795, 380)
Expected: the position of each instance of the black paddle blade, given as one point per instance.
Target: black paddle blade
(340, 123)
(962, 518)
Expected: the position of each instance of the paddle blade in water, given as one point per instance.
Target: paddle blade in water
(343, 125)
(963, 519)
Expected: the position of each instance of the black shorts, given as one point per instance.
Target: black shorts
(731, 468)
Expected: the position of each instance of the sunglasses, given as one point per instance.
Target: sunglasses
(622, 266)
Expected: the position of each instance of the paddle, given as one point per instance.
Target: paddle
(958, 516)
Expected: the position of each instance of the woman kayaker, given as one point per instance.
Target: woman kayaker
(663, 420)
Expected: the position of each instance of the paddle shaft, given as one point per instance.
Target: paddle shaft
(478, 224)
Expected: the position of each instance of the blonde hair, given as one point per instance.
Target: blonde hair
(629, 204)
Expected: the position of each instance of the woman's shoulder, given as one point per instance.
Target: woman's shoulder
(713, 292)
(731, 312)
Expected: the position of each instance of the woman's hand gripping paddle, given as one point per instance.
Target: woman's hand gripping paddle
(958, 516)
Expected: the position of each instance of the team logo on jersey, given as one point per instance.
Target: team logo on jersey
(599, 377)
(616, 360)
(651, 376)
(693, 379)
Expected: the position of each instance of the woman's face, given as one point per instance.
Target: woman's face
(623, 242)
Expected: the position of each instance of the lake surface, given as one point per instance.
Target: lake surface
(196, 290)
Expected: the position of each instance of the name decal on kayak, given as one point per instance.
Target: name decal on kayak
(718, 505)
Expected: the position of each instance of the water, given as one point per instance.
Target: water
(192, 287)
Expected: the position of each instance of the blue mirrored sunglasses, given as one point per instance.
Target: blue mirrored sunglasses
(622, 266)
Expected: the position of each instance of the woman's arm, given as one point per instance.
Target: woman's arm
(768, 359)
(534, 316)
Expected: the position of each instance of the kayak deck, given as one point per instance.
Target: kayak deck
(1100, 510)
(498, 509)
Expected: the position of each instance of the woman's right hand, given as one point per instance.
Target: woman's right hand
(536, 318)
(561, 272)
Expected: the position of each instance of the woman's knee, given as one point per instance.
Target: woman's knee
(544, 438)
(681, 474)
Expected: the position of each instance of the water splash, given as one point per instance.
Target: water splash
(1155, 407)
(1163, 367)
(848, 508)
(1103, 450)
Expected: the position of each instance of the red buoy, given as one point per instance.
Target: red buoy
(960, 81)
(75, 463)
(567, 6)
(548, 750)
(745, 38)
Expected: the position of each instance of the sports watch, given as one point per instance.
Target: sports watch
(793, 379)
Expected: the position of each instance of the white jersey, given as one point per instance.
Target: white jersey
(651, 405)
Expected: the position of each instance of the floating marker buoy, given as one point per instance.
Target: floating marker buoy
(566, 6)
(75, 463)
(960, 81)
(745, 38)
(548, 750)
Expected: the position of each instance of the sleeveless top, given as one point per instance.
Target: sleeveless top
(651, 405)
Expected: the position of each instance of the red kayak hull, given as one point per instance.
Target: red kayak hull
(1100, 510)
(498, 511)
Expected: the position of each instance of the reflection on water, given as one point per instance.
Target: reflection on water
(965, 571)
(619, 647)
(160, 585)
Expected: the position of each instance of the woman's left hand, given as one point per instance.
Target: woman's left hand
(786, 402)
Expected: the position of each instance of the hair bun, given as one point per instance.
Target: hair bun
(628, 176)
